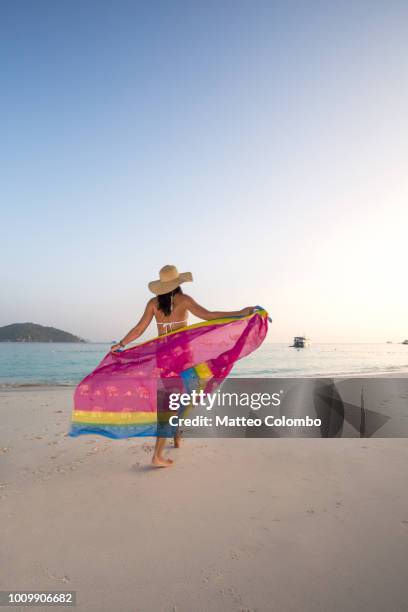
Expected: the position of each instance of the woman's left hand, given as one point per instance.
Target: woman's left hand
(248, 310)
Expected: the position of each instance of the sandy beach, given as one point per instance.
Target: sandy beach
(235, 525)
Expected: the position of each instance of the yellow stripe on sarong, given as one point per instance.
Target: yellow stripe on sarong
(114, 418)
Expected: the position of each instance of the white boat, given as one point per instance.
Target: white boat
(301, 342)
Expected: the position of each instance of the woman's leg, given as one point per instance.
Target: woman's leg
(166, 386)
(158, 460)
(177, 438)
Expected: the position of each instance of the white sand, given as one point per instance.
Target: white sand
(265, 525)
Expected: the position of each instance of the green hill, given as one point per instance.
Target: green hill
(31, 332)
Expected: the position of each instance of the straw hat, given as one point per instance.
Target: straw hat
(169, 280)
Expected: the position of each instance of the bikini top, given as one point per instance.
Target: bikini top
(167, 326)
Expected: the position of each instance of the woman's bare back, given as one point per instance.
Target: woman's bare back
(177, 319)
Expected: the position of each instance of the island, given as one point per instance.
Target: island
(32, 332)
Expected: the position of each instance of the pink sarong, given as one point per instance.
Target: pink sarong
(119, 398)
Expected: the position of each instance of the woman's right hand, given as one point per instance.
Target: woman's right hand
(116, 347)
(248, 310)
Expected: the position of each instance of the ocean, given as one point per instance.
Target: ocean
(66, 364)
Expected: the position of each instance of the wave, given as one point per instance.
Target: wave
(28, 385)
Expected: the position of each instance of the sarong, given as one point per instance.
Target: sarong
(119, 399)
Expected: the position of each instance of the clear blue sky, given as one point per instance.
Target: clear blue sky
(261, 145)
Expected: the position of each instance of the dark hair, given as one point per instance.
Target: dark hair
(165, 301)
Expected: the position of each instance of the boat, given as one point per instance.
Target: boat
(301, 342)
(405, 342)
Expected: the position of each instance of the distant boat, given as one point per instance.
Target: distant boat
(301, 342)
(405, 342)
(389, 341)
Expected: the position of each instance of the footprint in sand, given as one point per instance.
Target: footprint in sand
(98, 449)
(233, 593)
(53, 577)
(3, 485)
(133, 449)
(6, 449)
(60, 470)
(213, 575)
(147, 448)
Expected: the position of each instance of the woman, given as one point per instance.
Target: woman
(170, 308)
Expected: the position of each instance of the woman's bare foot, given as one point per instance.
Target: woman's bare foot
(161, 462)
(158, 460)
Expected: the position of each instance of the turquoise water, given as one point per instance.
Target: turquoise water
(67, 364)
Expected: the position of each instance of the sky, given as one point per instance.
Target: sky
(263, 146)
